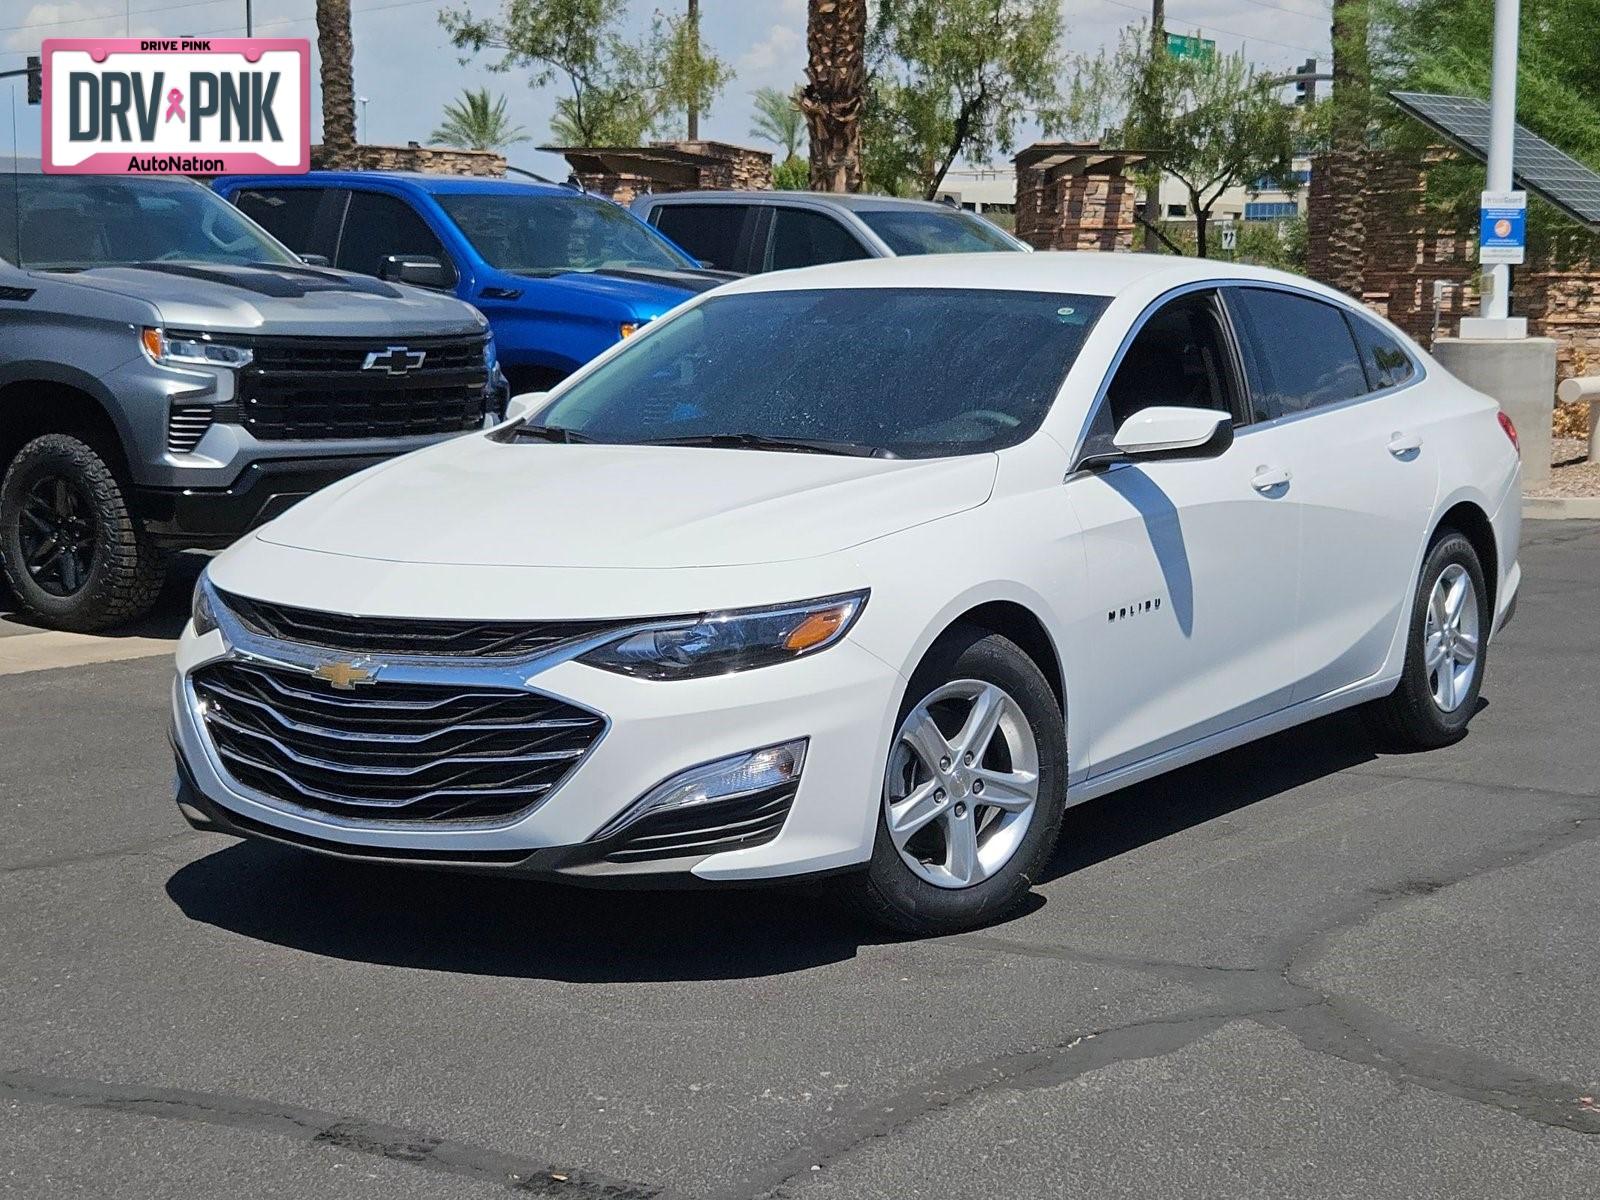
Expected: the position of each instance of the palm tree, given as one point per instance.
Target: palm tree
(836, 91)
(336, 50)
(1347, 151)
(475, 122)
(779, 120)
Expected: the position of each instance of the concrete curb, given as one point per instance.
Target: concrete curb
(1561, 508)
(49, 650)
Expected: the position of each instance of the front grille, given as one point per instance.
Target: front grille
(704, 829)
(388, 635)
(186, 425)
(428, 753)
(299, 389)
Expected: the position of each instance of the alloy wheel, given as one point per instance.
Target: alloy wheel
(1450, 637)
(57, 535)
(962, 783)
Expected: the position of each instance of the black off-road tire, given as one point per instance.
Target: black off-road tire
(125, 572)
(888, 892)
(1408, 718)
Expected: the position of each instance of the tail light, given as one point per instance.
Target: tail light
(1511, 432)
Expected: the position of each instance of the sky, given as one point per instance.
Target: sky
(408, 71)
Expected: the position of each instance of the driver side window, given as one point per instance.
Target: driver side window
(1181, 356)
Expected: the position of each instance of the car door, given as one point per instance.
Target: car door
(377, 225)
(305, 219)
(1342, 411)
(1190, 564)
(804, 237)
(715, 234)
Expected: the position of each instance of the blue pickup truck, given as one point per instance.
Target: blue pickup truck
(560, 274)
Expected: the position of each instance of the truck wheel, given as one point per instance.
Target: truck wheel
(73, 554)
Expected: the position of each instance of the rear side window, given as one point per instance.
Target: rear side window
(1298, 352)
(288, 214)
(1387, 364)
(801, 238)
(709, 232)
(377, 226)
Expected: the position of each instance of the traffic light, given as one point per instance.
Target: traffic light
(35, 80)
(1305, 87)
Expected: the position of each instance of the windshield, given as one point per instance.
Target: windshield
(540, 235)
(928, 231)
(71, 222)
(913, 372)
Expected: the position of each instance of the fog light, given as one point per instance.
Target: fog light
(724, 779)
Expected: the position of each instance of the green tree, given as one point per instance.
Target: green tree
(476, 122)
(954, 78)
(1214, 123)
(779, 120)
(792, 175)
(618, 91)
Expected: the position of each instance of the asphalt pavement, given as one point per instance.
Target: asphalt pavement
(1300, 970)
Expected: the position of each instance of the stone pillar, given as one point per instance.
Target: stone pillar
(1521, 374)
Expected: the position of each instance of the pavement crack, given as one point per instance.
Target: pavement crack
(441, 1155)
(137, 850)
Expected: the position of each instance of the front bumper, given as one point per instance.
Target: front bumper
(843, 700)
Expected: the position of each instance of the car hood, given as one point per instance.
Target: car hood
(279, 299)
(639, 291)
(476, 502)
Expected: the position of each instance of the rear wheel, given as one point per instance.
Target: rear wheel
(71, 551)
(973, 789)
(1449, 633)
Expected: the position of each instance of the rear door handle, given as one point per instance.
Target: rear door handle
(1401, 444)
(1268, 479)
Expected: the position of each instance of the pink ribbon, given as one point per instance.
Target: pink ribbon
(175, 105)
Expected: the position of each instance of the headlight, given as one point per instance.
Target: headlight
(201, 610)
(723, 642)
(191, 349)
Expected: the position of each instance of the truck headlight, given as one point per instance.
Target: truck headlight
(191, 349)
(720, 643)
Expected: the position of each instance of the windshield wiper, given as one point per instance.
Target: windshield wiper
(761, 441)
(549, 433)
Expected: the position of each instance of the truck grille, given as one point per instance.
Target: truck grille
(428, 639)
(300, 389)
(428, 753)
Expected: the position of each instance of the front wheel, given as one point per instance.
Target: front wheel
(973, 790)
(1445, 648)
(73, 554)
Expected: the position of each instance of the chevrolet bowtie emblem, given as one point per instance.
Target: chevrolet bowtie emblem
(343, 675)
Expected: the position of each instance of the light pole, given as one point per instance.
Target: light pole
(249, 21)
(1496, 302)
(363, 100)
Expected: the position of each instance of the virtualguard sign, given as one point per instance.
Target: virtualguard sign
(156, 106)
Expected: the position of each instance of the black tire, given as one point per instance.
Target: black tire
(888, 891)
(117, 574)
(1409, 718)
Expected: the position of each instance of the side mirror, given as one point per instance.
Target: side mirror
(420, 270)
(315, 260)
(520, 406)
(1170, 431)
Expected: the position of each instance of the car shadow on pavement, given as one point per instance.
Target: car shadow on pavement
(472, 924)
(165, 620)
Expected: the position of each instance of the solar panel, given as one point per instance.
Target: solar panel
(1537, 166)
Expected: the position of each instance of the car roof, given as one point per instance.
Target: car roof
(435, 184)
(1093, 273)
(853, 202)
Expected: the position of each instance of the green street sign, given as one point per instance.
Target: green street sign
(1182, 46)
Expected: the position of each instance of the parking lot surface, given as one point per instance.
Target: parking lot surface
(1302, 969)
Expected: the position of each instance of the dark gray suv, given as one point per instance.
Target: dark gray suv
(171, 376)
(752, 232)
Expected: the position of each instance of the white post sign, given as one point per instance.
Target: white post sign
(199, 106)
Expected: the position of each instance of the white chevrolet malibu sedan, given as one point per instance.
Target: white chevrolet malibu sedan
(869, 570)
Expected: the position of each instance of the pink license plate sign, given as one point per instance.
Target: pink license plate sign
(199, 106)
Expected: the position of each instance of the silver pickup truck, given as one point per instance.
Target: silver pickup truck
(171, 376)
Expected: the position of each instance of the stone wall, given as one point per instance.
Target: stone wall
(1073, 196)
(1410, 246)
(436, 160)
(735, 168)
(623, 172)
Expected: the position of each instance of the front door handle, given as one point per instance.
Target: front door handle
(1402, 444)
(1269, 479)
